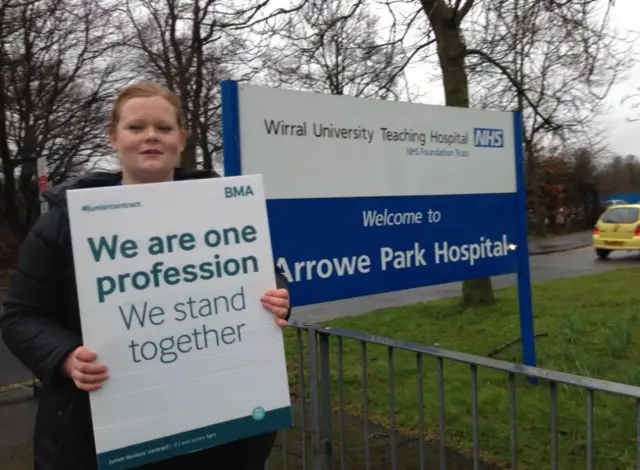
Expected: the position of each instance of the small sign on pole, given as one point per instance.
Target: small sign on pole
(43, 182)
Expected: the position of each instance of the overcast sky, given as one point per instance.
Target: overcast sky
(625, 137)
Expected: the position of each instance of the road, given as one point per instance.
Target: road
(17, 410)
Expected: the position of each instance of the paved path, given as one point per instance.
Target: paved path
(560, 243)
(17, 416)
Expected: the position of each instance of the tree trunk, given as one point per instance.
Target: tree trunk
(9, 187)
(522, 23)
(451, 53)
(539, 228)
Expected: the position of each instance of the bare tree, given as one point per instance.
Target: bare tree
(338, 48)
(55, 82)
(583, 191)
(191, 46)
(579, 23)
(620, 174)
(565, 74)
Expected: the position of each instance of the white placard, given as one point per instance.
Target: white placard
(169, 280)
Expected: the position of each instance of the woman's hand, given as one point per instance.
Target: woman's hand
(277, 302)
(81, 367)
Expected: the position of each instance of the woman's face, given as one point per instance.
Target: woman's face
(148, 140)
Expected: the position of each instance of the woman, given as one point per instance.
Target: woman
(41, 325)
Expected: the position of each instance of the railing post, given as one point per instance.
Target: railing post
(325, 397)
(316, 460)
(303, 408)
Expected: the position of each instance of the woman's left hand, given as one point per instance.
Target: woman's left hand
(277, 302)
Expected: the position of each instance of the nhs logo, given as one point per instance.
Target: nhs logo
(483, 137)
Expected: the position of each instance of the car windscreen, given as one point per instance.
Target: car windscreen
(621, 215)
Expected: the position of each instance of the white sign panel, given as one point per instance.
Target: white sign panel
(169, 278)
(312, 145)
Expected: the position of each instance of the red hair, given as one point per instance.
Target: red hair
(145, 90)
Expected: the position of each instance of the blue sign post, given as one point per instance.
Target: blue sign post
(371, 196)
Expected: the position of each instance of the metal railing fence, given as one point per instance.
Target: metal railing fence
(372, 403)
(366, 402)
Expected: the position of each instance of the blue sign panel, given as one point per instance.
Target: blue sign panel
(364, 246)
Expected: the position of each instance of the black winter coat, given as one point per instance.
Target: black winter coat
(41, 326)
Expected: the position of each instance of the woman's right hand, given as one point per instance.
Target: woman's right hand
(81, 367)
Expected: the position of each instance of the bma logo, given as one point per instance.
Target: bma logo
(483, 137)
(238, 191)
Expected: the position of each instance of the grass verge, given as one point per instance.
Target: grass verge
(592, 328)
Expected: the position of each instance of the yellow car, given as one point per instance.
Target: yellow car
(617, 229)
